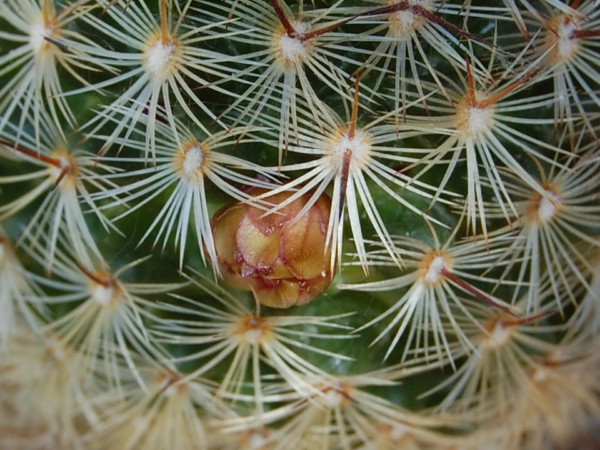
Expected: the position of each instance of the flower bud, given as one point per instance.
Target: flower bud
(280, 257)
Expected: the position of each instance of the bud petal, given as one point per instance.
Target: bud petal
(280, 257)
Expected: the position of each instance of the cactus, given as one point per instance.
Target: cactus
(278, 224)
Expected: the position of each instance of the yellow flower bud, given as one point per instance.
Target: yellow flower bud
(280, 257)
